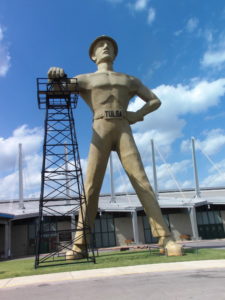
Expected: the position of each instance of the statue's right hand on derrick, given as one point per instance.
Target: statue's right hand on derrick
(57, 78)
(56, 73)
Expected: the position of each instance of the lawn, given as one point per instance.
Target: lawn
(24, 267)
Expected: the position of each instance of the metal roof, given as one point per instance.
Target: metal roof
(121, 203)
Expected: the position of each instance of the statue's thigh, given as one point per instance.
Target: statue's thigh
(98, 154)
(130, 157)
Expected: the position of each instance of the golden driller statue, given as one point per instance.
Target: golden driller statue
(108, 93)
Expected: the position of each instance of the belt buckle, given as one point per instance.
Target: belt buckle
(113, 114)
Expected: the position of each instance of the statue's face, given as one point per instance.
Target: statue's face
(103, 51)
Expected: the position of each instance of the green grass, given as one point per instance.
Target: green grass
(25, 267)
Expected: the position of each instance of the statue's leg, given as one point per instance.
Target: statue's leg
(97, 162)
(131, 161)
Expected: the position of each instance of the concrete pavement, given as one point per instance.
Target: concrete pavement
(112, 272)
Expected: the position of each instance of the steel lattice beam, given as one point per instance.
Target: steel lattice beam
(62, 188)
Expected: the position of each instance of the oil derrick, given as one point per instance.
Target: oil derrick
(62, 190)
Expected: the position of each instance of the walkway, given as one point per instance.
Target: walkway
(112, 272)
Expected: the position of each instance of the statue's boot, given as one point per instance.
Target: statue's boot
(77, 252)
(169, 246)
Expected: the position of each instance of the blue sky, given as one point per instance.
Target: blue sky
(176, 48)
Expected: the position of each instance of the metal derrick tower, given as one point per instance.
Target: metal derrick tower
(62, 188)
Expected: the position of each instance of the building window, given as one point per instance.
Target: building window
(147, 231)
(104, 231)
(210, 225)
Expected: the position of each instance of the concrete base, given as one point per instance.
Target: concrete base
(174, 250)
(170, 247)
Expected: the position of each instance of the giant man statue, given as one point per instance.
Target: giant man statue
(108, 93)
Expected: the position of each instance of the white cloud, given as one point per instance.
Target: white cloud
(193, 98)
(151, 15)
(214, 56)
(167, 176)
(208, 34)
(154, 67)
(218, 167)
(214, 180)
(162, 138)
(214, 141)
(32, 175)
(217, 175)
(30, 138)
(1, 34)
(216, 116)
(4, 54)
(196, 97)
(192, 27)
(166, 124)
(83, 162)
(9, 184)
(192, 24)
(140, 4)
(178, 32)
(123, 185)
(167, 173)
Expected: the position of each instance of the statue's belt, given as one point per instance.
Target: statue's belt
(110, 114)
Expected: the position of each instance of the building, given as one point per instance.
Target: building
(120, 219)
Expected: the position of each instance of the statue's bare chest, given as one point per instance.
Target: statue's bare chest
(109, 80)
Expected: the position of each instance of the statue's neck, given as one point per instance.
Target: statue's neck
(105, 66)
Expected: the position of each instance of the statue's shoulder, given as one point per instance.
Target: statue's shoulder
(130, 77)
(133, 81)
(84, 79)
(121, 74)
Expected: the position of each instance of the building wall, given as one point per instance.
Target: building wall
(19, 240)
(180, 224)
(123, 230)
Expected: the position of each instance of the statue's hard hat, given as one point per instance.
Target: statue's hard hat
(103, 37)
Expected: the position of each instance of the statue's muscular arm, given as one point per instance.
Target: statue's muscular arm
(59, 73)
(83, 81)
(152, 102)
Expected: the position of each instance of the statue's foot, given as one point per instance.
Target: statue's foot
(77, 252)
(169, 246)
(70, 255)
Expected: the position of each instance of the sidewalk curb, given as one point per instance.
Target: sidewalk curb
(110, 272)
